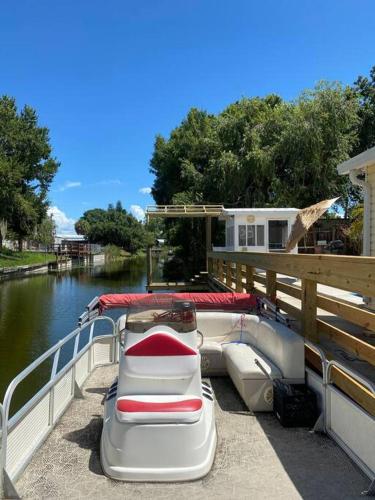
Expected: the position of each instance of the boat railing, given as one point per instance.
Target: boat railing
(320, 386)
(22, 433)
(341, 413)
(323, 358)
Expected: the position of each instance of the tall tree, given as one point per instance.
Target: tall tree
(45, 232)
(257, 152)
(27, 168)
(364, 87)
(114, 226)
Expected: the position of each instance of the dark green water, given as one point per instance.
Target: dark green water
(37, 311)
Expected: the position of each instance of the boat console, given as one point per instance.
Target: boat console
(158, 423)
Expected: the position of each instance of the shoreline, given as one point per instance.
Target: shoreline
(21, 271)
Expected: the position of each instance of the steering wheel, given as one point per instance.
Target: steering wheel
(201, 341)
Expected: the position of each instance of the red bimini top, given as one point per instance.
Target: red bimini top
(203, 301)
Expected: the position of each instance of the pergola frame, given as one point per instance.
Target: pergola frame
(184, 211)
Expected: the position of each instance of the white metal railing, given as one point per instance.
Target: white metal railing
(320, 352)
(320, 425)
(24, 432)
(341, 413)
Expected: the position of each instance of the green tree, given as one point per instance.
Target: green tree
(365, 90)
(26, 168)
(355, 230)
(257, 152)
(45, 231)
(114, 226)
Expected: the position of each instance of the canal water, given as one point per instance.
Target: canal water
(37, 311)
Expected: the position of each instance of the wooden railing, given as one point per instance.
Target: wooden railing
(237, 271)
(75, 249)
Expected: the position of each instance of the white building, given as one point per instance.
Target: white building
(78, 238)
(257, 229)
(361, 171)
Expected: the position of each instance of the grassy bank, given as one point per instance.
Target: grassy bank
(9, 258)
(112, 252)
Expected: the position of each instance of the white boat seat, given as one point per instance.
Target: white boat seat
(212, 358)
(160, 355)
(244, 358)
(155, 409)
(285, 348)
(254, 386)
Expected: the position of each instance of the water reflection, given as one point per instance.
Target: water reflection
(37, 311)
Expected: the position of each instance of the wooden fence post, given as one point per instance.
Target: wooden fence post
(239, 285)
(309, 306)
(214, 267)
(271, 285)
(149, 265)
(209, 266)
(208, 241)
(220, 276)
(228, 281)
(249, 279)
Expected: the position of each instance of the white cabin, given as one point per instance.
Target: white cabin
(257, 229)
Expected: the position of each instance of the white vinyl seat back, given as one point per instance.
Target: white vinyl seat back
(225, 327)
(160, 355)
(160, 361)
(282, 346)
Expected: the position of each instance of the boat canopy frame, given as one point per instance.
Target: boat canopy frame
(204, 301)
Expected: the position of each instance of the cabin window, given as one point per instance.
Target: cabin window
(260, 236)
(251, 236)
(242, 235)
(230, 236)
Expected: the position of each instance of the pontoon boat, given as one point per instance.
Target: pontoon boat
(159, 417)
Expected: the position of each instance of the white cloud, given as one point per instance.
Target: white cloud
(137, 211)
(64, 224)
(108, 182)
(145, 190)
(69, 185)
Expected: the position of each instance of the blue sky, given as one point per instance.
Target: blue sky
(106, 76)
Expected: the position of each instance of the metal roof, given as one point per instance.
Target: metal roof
(247, 211)
(358, 162)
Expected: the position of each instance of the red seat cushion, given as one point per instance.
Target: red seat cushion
(160, 344)
(133, 406)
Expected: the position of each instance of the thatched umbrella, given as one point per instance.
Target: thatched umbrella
(305, 219)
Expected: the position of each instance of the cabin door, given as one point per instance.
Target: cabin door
(277, 235)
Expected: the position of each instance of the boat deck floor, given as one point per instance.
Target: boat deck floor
(256, 458)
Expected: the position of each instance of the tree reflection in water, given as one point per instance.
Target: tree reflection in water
(37, 311)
